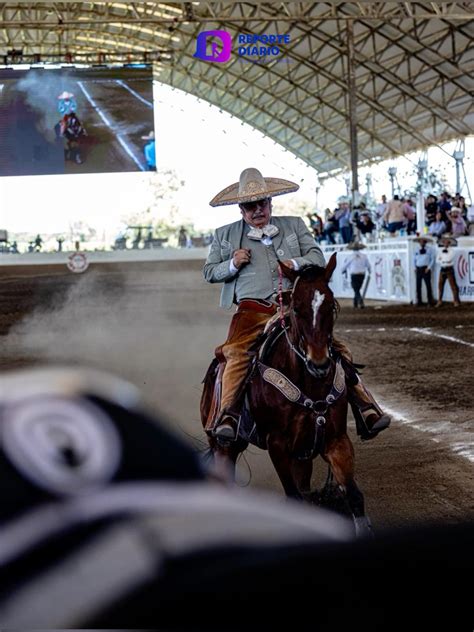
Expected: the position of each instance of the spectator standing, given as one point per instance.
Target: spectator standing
(445, 259)
(410, 214)
(343, 216)
(380, 211)
(182, 237)
(38, 243)
(445, 203)
(424, 260)
(460, 202)
(357, 265)
(331, 226)
(316, 225)
(395, 215)
(431, 208)
(345, 227)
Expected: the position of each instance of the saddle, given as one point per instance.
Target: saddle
(346, 374)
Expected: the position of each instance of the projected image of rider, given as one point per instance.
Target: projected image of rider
(69, 127)
(72, 130)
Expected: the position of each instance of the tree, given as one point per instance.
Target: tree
(159, 202)
(292, 206)
(82, 231)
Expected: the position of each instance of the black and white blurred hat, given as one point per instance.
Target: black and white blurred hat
(66, 432)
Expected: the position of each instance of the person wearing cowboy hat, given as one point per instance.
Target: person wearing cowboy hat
(245, 257)
(445, 260)
(458, 225)
(66, 103)
(357, 264)
(424, 260)
(149, 151)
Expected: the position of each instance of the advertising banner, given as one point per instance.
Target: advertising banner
(392, 273)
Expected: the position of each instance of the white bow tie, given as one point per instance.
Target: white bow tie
(267, 231)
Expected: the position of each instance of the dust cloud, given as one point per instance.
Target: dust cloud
(41, 89)
(156, 329)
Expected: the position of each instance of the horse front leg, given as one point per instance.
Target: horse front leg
(339, 454)
(282, 462)
(302, 471)
(224, 457)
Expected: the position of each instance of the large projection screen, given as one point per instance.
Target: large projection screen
(97, 119)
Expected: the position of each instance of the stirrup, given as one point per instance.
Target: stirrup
(227, 426)
(366, 433)
(381, 424)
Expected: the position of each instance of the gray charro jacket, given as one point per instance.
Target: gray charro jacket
(294, 241)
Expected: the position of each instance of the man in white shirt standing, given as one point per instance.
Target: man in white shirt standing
(445, 260)
(423, 260)
(357, 265)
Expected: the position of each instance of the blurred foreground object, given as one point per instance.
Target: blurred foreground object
(107, 520)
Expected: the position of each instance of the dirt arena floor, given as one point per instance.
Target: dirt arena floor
(156, 324)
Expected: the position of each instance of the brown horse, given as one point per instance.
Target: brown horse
(296, 396)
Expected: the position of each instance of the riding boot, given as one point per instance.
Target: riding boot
(245, 328)
(227, 426)
(369, 417)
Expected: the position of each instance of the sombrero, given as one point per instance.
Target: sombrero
(421, 238)
(66, 95)
(447, 237)
(356, 245)
(252, 186)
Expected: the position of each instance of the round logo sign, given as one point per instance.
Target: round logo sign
(77, 262)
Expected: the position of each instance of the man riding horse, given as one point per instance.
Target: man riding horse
(245, 257)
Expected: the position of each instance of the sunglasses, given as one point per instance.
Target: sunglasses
(249, 207)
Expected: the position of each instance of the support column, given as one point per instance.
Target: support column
(420, 198)
(352, 112)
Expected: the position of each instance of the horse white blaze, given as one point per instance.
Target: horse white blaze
(316, 303)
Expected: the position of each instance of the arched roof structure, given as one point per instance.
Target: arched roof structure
(412, 63)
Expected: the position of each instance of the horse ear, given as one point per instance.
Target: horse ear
(288, 272)
(330, 267)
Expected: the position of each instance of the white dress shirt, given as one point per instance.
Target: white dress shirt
(445, 259)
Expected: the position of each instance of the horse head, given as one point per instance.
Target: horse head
(312, 314)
